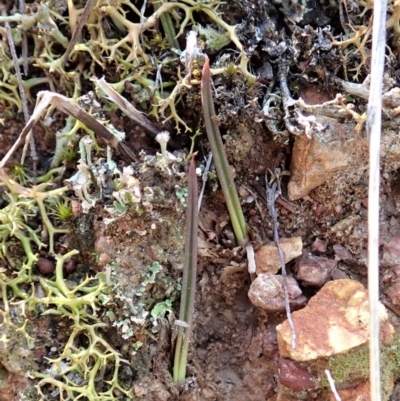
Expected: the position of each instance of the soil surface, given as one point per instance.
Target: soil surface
(290, 106)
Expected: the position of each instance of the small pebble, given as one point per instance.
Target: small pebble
(45, 266)
(69, 266)
(319, 245)
(293, 376)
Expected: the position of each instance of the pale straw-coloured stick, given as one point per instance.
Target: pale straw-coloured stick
(374, 117)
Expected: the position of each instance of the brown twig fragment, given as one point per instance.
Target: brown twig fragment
(78, 30)
(24, 43)
(22, 94)
(111, 94)
(68, 106)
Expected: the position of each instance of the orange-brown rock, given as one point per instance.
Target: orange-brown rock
(267, 257)
(316, 159)
(334, 321)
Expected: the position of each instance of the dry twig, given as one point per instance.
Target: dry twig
(374, 119)
(108, 92)
(68, 106)
(78, 30)
(24, 102)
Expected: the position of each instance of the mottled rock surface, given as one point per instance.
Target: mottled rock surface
(314, 270)
(334, 321)
(267, 257)
(391, 252)
(316, 159)
(266, 292)
(318, 245)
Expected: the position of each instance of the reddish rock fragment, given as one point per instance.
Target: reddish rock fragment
(45, 266)
(393, 292)
(338, 274)
(314, 270)
(104, 258)
(76, 207)
(39, 353)
(293, 376)
(391, 253)
(315, 160)
(267, 257)
(318, 245)
(69, 266)
(341, 253)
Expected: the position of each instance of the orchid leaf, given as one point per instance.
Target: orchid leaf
(220, 159)
(189, 278)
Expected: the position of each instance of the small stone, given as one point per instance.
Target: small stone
(38, 354)
(386, 188)
(341, 253)
(391, 253)
(139, 390)
(314, 270)
(365, 202)
(266, 292)
(104, 259)
(339, 209)
(69, 266)
(293, 376)
(334, 321)
(393, 292)
(103, 245)
(267, 257)
(338, 274)
(318, 245)
(315, 160)
(45, 266)
(293, 288)
(76, 207)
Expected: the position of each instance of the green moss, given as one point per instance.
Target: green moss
(354, 366)
(348, 367)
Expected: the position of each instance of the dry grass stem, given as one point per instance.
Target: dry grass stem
(374, 117)
(125, 106)
(68, 106)
(22, 94)
(78, 30)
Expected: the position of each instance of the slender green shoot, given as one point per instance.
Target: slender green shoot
(189, 279)
(220, 159)
(168, 27)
